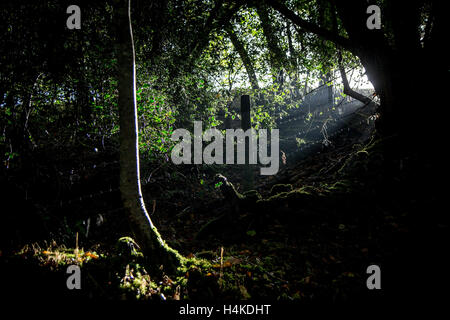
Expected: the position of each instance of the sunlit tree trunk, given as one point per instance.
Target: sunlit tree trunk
(144, 231)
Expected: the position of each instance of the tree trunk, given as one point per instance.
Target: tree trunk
(292, 53)
(239, 46)
(276, 55)
(83, 96)
(145, 233)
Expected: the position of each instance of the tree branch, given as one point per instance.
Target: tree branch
(220, 15)
(349, 91)
(311, 27)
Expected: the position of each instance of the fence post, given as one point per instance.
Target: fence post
(245, 112)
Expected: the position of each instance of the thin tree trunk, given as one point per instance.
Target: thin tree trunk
(292, 53)
(144, 231)
(276, 55)
(239, 46)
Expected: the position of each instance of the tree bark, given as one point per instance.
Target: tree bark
(145, 233)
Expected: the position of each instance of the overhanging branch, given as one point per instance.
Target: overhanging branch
(311, 27)
(349, 91)
(220, 16)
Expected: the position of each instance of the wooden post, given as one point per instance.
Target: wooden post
(246, 123)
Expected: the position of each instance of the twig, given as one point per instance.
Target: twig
(221, 266)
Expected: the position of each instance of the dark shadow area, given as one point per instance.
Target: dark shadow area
(90, 122)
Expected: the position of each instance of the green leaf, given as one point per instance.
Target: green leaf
(251, 233)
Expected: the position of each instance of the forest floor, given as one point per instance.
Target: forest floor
(310, 236)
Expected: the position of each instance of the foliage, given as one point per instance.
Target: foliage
(156, 120)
